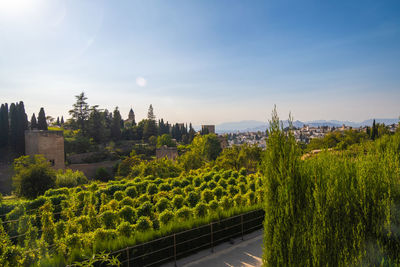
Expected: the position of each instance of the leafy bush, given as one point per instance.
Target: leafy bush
(33, 176)
(70, 178)
(201, 210)
(143, 224)
(102, 174)
(184, 213)
(162, 204)
(125, 229)
(166, 216)
(177, 201)
(128, 214)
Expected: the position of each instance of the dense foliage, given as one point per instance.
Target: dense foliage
(66, 225)
(338, 208)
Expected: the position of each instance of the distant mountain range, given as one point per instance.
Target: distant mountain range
(254, 126)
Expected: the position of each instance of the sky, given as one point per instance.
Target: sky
(204, 61)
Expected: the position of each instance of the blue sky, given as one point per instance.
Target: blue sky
(204, 61)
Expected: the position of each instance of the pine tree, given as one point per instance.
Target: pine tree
(34, 124)
(42, 123)
(4, 125)
(80, 112)
(150, 114)
(62, 120)
(58, 121)
(96, 125)
(116, 125)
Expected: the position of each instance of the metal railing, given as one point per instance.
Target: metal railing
(172, 247)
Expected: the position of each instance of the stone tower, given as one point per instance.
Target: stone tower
(131, 118)
(50, 144)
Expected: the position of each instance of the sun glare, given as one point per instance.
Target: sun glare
(16, 7)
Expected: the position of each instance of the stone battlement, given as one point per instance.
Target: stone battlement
(50, 144)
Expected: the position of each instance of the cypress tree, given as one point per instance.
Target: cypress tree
(374, 132)
(62, 120)
(13, 125)
(42, 123)
(22, 126)
(58, 121)
(191, 133)
(4, 125)
(34, 124)
(116, 125)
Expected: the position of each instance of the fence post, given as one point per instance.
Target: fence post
(127, 252)
(175, 250)
(212, 238)
(241, 219)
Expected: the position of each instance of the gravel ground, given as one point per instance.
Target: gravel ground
(242, 253)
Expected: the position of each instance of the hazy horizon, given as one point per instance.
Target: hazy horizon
(204, 62)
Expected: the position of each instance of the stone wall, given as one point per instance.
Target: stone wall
(169, 152)
(89, 169)
(210, 128)
(6, 173)
(50, 144)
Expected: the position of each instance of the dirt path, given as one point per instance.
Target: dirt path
(242, 253)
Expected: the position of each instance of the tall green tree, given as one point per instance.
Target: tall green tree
(4, 125)
(191, 133)
(374, 131)
(150, 113)
(13, 115)
(42, 123)
(96, 125)
(34, 123)
(80, 112)
(116, 125)
(62, 120)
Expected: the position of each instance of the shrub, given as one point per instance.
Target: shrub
(231, 181)
(146, 209)
(125, 229)
(207, 195)
(127, 213)
(131, 191)
(162, 204)
(166, 216)
(70, 178)
(119, 195)
(192, 199)
(238, 200)
(177, 201)
(232, 190)
(127, 201)
(226, 203)
(33, 176)
(214, 205)
(201, 209)
(144, 224)
(164, 187)
(218, 192)
(184, 213)
(108, 219)
(102, 174)
(212, 185)
(223, 183)
(101, 235)
(152, 189)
